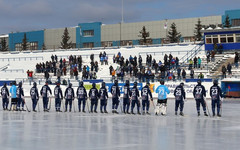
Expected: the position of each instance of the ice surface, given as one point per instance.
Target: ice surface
(69, 131)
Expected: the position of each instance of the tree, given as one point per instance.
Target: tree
(24, 42)
(173, 35)
(65, 39)
(227, 22)
(3, 46)
(198, 28)
(144, 35)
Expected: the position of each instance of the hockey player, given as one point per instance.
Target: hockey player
(93, 95)
(20, 97)
(126, 97)
(145, 93)
(216, 95)
(180, 95)
(5, 95)
(81, 95)
(115, 91)
(34, 96)
(69, 96)
(13, 91)
(162, 91)
(103, 95)
(199, 93)
(134, 98)
(58, 97)
(45, 95)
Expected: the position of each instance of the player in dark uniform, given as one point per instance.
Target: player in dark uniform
(103, 95)
(34, 96)
(45, 95)
(5, 95)
(69, 96)
(145, 93)
(58, 97)
(93, 95)
(134, 98)
(180, 95)
(126, 97)
(199, 93)
(20, 97)
(115, 91)
(216, 95)
(81, 95)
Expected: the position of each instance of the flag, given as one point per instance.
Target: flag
(165, 25)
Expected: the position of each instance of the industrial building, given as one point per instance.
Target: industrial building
(96, 34)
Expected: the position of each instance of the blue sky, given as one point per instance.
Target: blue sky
(27, 15)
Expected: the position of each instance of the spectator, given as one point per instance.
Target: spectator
(183, 74)
(199, 62)
(224, 70)
(236, 59)
(213, 56)
(220, 48)
(190, 64)
(208, 56)
(229, 68)
(200, 76)
(195, 62)
(179, 73)
(192, 73)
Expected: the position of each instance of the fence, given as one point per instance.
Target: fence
(22, 58)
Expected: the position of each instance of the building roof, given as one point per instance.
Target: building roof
(221, 30)
(4, 36)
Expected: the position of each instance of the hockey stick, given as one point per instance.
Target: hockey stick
(207, 107)
(38, 105)
(153, 104)
(73, 105)
(87, 105)
(26, 105)
(221, 102)
(62, 103)
(49, 104)
(121, 105)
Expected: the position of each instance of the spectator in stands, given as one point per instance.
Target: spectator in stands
(183, 74)
(92, 57)
(113, 75)
(106, 60)
(46, 75)
(195, 62)
(229, 68)
(59, 76)
(179, 73)
(200, 76)
(208, 56)
(236, 59)
(213, 56)
(52, 57)
(30, 75)
(199, 62)
(190, 64)
(192, 73)
(220, 48)
(177, 62)
(224, 70)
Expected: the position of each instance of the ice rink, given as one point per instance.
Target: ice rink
(69, 131)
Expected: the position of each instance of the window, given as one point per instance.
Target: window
(88, 45)
(210, 39)
(238, 38)
(235, 22)
(33, 45)
(88, 33)
(18, 46)
(230, 38)
(223, 38)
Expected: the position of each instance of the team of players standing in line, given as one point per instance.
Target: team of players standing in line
(130, 96)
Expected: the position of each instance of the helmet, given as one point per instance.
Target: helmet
(5, 84)
(135, 84)
(162, 82)
(103, 84)
(182, 84)
(34, 84)
(20, 84)
(94, 85)
(215, 82)
(199, 82)
(46, 82)
(70, 85)
(116, 82)
(81, 83)
(127, 82)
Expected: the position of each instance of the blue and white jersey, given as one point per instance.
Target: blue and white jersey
(58, 92)
(4, 92)
(34, 93)
(162, 91)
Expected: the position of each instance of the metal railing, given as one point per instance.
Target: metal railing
(22, 58)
